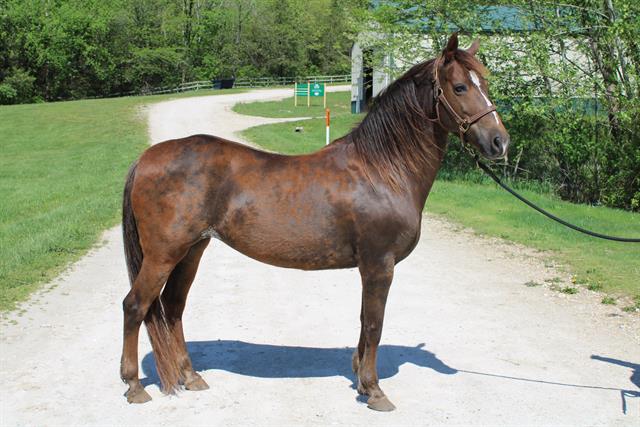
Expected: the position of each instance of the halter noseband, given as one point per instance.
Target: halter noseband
(438, 94)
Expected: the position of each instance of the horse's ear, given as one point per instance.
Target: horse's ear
(474, 48)
(452, 46)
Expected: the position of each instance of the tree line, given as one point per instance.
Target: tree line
(70, 49)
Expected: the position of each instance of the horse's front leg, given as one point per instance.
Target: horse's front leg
(376, 280)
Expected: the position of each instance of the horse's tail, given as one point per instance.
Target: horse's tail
(132, 249)
(165, 349)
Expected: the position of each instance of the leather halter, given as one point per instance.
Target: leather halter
(438, 94)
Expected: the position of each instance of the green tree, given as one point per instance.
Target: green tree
(78, 48)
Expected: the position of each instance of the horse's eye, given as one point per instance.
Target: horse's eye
(460, 88)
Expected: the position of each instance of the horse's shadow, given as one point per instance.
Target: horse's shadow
(273, 361)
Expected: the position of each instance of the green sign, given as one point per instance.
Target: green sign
(317, 89)
(309, 90)
(302, 89)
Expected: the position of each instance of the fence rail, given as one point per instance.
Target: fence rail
(245, 82)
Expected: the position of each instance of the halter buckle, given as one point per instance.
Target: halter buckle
(464, 126)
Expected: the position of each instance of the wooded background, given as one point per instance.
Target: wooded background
(575, 124)
(69, 49)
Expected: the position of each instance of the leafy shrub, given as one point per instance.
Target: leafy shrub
(17, 87)
(7, 94)
(155, 67)
(568, 144)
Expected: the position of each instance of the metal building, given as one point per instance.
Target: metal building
(368, 77)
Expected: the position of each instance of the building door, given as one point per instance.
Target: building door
(367, 79)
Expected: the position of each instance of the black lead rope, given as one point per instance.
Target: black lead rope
(493, 176)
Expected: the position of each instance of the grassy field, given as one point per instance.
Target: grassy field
(597, 264)
(62, 172)
(337, 102)
(284, 139)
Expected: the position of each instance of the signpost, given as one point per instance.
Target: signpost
(310, 89)
(300, 89)
(328, 119)
(317, 90)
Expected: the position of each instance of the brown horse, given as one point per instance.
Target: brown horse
(357, 202)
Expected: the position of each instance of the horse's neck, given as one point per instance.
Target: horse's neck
(402, 145)
(423, 181)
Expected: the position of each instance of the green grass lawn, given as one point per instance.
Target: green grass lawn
(488, 209)
(62, 171)
(283, 138)
(337, 102)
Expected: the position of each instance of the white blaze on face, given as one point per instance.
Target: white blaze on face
(476, 81)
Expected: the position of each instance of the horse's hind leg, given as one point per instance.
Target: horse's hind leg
(376, 280)
(144, 292)
(174, 297)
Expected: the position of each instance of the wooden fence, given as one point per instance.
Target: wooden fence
(245, 82)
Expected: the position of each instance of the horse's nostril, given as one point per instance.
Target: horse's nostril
(497, 142)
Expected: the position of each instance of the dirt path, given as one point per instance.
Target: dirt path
(190, 116)
(465, 342)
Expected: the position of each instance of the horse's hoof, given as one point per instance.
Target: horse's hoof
(138, 395)
(381, 404)
(197, 384)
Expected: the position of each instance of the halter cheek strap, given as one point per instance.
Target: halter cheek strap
(464, 123)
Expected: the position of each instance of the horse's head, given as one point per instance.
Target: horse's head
(461, 101)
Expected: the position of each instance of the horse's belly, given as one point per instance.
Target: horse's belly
(290, 218)
(301, 247)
